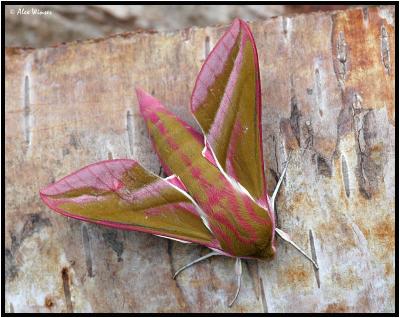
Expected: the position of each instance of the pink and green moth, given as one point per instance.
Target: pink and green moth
(215, 194)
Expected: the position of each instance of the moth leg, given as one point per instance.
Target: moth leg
(194, 262)
(238, 271)
(278, 185)
(287, 238)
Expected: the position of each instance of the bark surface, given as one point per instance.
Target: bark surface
(328, 97)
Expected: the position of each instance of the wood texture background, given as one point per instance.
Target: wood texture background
(328, 95)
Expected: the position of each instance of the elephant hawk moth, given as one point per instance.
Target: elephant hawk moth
(215, 193)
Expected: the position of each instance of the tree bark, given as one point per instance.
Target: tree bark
(328, 99)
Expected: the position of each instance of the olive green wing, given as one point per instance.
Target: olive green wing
(124, 195)
(226, 102)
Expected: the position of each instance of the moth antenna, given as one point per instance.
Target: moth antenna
(238, 271)
(287, 238)
(194, 262)
(278, 185)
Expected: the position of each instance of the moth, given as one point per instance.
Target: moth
(215, 193)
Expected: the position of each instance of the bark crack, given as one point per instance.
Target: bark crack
(67, 289)
(87, 249)
(181, 299)
(206, 46)
(129, 129)
(385, 49)
(342, 57)
(27, 112)
(295, 115)
(345, 175)
(263, 297)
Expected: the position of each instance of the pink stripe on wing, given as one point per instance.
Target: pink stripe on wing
(83, 177)
(249, 207)
(171, 208)
(220, 218)
(237, 210)
(148, 191)
(248, 34)
(226, 102)
(230, 158)
(220, 51)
